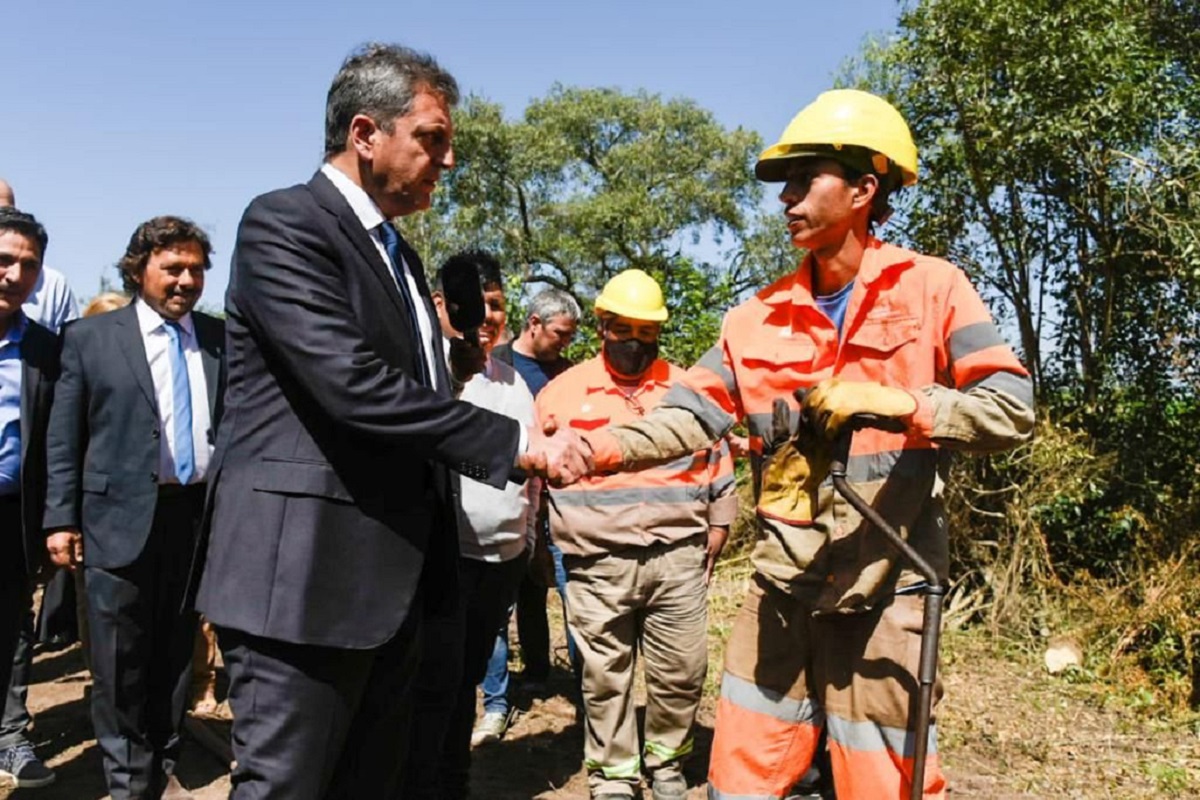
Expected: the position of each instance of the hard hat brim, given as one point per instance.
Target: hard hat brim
(773, 164)
(660, 315)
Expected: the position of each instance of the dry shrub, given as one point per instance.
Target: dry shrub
(1142, 632)
(1001, 568)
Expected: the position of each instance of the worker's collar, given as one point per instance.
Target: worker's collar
(877, 258)
(599, 379)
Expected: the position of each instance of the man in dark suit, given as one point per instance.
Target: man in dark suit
(332, 510)
(129, 446)
(28, 368)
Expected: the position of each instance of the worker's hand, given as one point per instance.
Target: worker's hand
(65, 546)
(559, 456)
(833, 402)
(794, 464)
(717, 536)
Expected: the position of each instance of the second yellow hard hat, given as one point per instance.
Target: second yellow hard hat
(633, 294)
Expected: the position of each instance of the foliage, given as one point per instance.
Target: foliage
(589, 182)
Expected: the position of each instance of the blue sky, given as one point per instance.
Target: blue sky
(122, 110)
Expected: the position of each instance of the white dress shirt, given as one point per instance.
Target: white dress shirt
(158, 355)
(371, 218)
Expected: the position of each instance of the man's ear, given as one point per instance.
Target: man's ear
(362, 136)
(865, 189)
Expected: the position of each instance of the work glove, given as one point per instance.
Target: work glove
(829, 406)
(794, 464)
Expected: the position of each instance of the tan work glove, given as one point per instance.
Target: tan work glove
(833, 402)
(794, 464)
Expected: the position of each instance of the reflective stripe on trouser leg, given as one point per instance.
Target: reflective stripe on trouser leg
(768, 720)
(867, 665)
(626, 770)
(871, 760)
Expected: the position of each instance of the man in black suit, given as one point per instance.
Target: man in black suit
(129, 446)
(333, 523)
(28, 368)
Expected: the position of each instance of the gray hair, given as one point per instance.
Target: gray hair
(550, 303)
(380, 80)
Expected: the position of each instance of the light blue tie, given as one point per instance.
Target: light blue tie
(181, 389)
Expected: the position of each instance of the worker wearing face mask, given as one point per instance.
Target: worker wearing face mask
(638, 548)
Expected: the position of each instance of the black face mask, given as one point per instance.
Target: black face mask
(631, 357)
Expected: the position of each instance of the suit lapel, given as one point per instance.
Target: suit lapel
(418, 271)
(31, 379)
(210, 357)
(129, 337)
(333, 202)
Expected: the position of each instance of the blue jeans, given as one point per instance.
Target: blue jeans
(495, 682)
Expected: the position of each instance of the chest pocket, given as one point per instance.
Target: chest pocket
(771, 369)
(885, 335)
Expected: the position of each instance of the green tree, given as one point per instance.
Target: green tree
(589, 182)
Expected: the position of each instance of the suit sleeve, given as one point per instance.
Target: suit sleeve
(65, 439)
(288, 283)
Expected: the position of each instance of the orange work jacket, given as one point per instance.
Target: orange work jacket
(607, 512)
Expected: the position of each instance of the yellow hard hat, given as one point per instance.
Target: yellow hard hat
(633, 294)
(837, 123)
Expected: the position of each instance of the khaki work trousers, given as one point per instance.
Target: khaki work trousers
(654, 597)
(788, 673)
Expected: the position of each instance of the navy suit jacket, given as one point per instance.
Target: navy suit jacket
(331, 499)
(103, 442)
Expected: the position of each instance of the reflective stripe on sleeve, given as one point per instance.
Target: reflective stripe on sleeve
(714, 419)
(1018, 387)
(714, 362)
(970, 339)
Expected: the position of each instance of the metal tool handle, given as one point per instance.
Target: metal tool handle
(934, 590)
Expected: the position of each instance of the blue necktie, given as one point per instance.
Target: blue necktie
(391, 243)
(181, 393)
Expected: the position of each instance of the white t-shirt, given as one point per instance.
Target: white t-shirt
(498, 524)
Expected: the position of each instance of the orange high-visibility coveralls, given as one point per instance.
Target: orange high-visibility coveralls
(830, 633)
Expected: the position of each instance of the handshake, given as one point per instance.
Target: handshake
(559, 455)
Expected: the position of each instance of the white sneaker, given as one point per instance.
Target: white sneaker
(490, 728)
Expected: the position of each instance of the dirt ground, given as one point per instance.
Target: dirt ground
(1008, 730)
